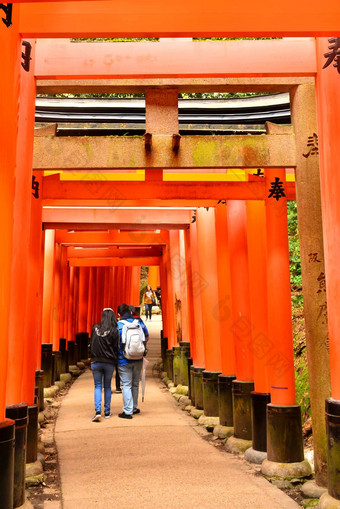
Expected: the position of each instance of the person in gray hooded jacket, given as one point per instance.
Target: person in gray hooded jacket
(104, 345)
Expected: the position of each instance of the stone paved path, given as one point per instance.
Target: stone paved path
(154, 461)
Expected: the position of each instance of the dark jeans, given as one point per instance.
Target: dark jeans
(102, 371)
(148, 310)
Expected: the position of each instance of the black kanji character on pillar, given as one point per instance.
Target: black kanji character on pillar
(276, 189)
(334, 53)
(8, 11)
(313, 144)
(35, 187)
(322, 283)
(26, 55)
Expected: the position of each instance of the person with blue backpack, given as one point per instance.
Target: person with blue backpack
(133, 337)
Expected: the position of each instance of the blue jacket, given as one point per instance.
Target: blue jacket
(121, 359)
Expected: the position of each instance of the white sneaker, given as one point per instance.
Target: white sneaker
(107, 416)
(97, 417)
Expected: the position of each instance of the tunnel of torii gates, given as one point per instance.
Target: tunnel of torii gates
(76, 230)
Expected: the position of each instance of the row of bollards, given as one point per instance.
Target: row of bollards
(19, 431)
(270, 431)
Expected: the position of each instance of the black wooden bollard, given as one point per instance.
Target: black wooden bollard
(7, 441)
(71, 353)
(82, 339)
(32, 434)
(19, 414)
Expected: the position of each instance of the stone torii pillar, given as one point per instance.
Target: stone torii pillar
(308, 200)
(328, 107)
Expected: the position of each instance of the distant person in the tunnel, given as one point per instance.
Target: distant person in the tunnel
(133, 338)
(159, 296)
(104, 346)
(149, 300)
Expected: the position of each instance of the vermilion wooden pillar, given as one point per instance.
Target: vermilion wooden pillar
(225, 316)
(328, 106)
(242, 326)
(56, 308)
(75, 302)
(176, 263)
(257, 260)
(91, 300)
(153, 277)
(206, 242)
(66, 286)
(106, 287)
(48, 286)
(83, 298)
(9, 104)
(186, 332)
(135, 286)
(164, 289)
(71, 318)
(63, 301)
(115, 289)
(21, 235)
(198, 283)
(100, 293)
(284, 441)
(32, 310)
(33, 313)
(190, 290)
(224, 312)
(110, 289)
(172, 339)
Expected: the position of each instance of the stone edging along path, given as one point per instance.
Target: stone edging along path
(43, 487)
(304, 491)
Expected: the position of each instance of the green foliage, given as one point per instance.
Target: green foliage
(294, 254)
(301, 363)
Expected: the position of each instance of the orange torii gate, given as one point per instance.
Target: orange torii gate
(36, 18)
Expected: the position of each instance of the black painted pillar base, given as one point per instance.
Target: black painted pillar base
(46, 363)
(225, 399)
(284, 434)
(210, 393)
(259, 420)
(64, 353)
(39, 382)
(32, 434)
(169, 370)
(7, 441)
(164, 348)
(20, 416)
(333, 436)
(242, 409)
(198, 387)
(183, 370)
(71, 353)
(192, 385)
(57, 365)
(82, 339)
(176, 364)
